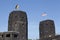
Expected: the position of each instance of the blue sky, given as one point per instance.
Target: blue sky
(34, 9)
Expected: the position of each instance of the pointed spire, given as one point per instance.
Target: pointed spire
(17, 6)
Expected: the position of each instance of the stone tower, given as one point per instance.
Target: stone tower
(10, 35)
(46, 29)
(18, 22)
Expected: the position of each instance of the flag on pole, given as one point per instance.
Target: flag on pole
(17, 6)
(44, 14)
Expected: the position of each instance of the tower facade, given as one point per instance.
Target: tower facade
(46, 29)
(57, 37)
(11, 35)
(18, 22)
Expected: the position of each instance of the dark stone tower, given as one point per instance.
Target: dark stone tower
(46, 30)
(18, 22)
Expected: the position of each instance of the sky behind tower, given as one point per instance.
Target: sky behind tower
(34, 10)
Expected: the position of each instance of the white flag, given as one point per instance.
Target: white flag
(44, 14)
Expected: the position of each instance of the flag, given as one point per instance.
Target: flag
(44, 14)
